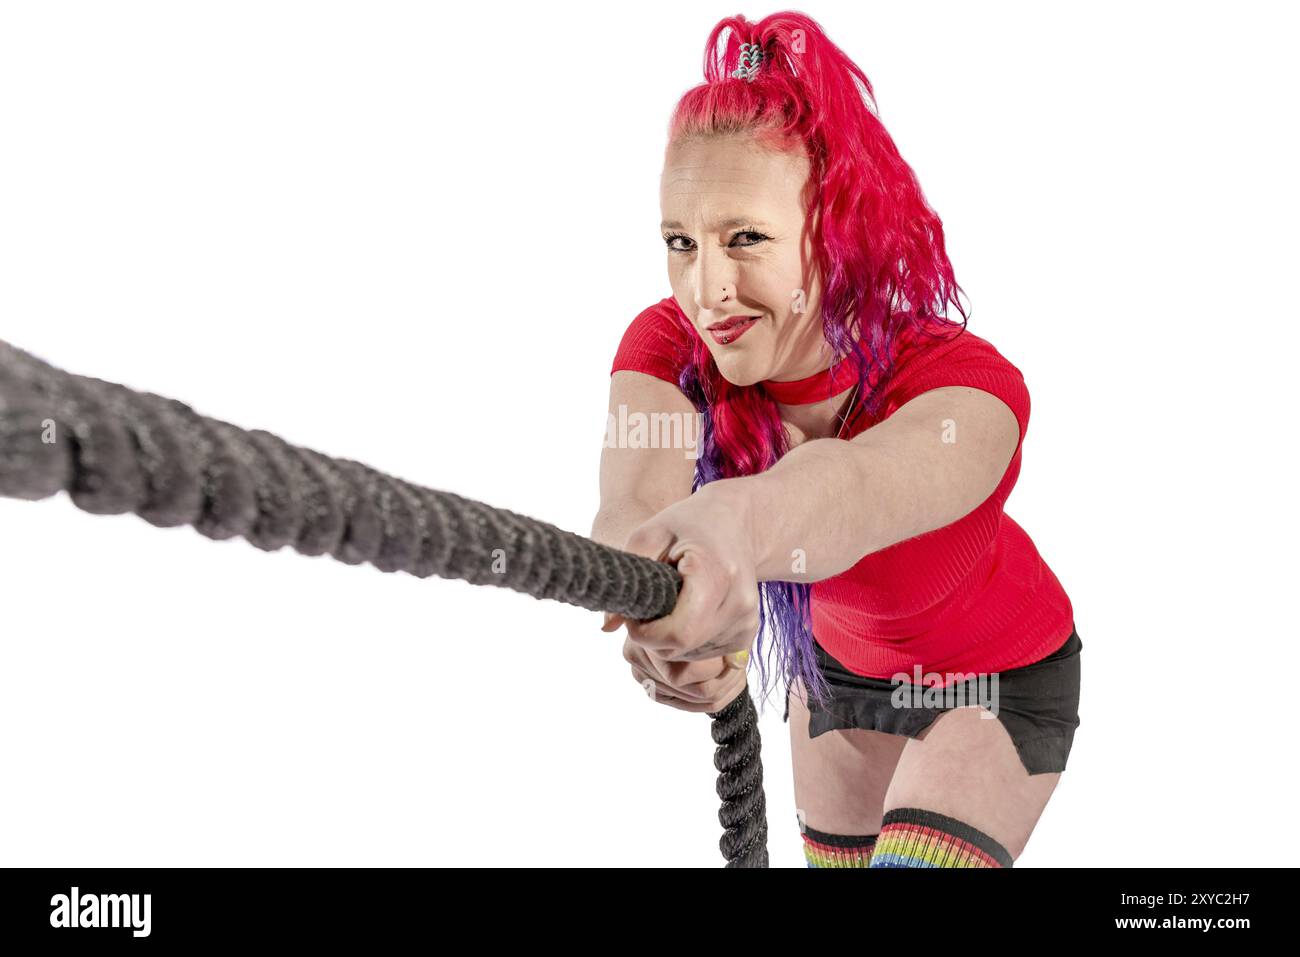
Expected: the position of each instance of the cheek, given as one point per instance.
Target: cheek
(803, 299)
(776, 285)
(774, 277)
(683, 292)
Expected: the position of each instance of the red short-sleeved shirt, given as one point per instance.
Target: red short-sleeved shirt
(972, 596)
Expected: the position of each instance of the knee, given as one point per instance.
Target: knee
(916, 837)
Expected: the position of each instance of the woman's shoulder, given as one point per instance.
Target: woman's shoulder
(936, 340)
(657, 341)
(934, 353)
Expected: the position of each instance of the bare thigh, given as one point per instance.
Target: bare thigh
(840, 777)
(966, 766)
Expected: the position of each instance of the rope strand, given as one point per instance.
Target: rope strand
(115, 450)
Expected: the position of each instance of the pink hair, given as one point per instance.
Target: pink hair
(877, 245)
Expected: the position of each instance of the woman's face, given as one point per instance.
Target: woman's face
(733, 221)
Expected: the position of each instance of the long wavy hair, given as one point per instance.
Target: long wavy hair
(877, 246)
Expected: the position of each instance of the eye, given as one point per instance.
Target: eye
(673, 237)
(753, 236)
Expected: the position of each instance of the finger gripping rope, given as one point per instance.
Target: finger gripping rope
(115, 450)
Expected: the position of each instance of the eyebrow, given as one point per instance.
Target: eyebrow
(733, 221)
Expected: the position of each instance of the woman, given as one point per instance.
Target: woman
(845, 498)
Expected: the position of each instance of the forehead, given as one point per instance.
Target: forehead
(731, 174)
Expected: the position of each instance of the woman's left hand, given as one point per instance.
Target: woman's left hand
(708, 537)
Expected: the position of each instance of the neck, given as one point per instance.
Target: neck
(821, 360)
(824, 380)
(816, 404)
(818, 420)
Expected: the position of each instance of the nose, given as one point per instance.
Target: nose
(715, 280)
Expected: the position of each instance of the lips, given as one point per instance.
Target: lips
(729, 330)
(729, 323)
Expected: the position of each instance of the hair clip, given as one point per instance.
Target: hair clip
(751, 57)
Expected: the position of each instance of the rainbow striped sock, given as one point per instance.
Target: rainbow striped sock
(913, 837)
(836, 850)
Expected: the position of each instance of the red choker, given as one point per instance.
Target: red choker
(817, 387)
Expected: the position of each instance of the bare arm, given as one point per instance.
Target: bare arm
(636, 483)
(838, 501)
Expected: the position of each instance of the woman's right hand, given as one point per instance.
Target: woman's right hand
(706, 685)
(695, 658)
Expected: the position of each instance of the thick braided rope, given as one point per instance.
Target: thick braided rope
(116, 450)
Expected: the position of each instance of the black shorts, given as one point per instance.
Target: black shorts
(1038, 704)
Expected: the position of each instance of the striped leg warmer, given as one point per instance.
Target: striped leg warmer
(913, 837)
(821, 849)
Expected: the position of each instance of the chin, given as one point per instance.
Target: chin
(739, 370)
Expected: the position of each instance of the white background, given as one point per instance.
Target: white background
(412, 234)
